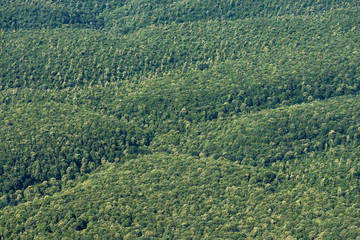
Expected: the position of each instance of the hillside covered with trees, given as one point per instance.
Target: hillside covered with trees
(216, 119)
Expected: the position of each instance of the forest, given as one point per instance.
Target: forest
(147, 119)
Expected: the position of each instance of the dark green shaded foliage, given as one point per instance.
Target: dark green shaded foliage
(52, 14)
(52, 140)
(168, 196)
(281, 134)
(216, 119)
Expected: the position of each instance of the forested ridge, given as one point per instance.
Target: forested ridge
(217, 119)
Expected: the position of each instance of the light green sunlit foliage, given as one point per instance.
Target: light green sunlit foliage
(216, 119)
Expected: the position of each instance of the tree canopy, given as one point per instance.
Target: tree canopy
(216, 119)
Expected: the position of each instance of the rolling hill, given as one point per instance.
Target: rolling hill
(216, 119)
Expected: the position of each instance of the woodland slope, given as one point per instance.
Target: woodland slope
(216, 119)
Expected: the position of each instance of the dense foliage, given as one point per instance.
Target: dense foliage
(60, 140)
(179, 119)
(176, 196)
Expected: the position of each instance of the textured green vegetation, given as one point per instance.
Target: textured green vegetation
(50, 140)
(176, 196)
(273, 135)
(130, 15)
(179, 119)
